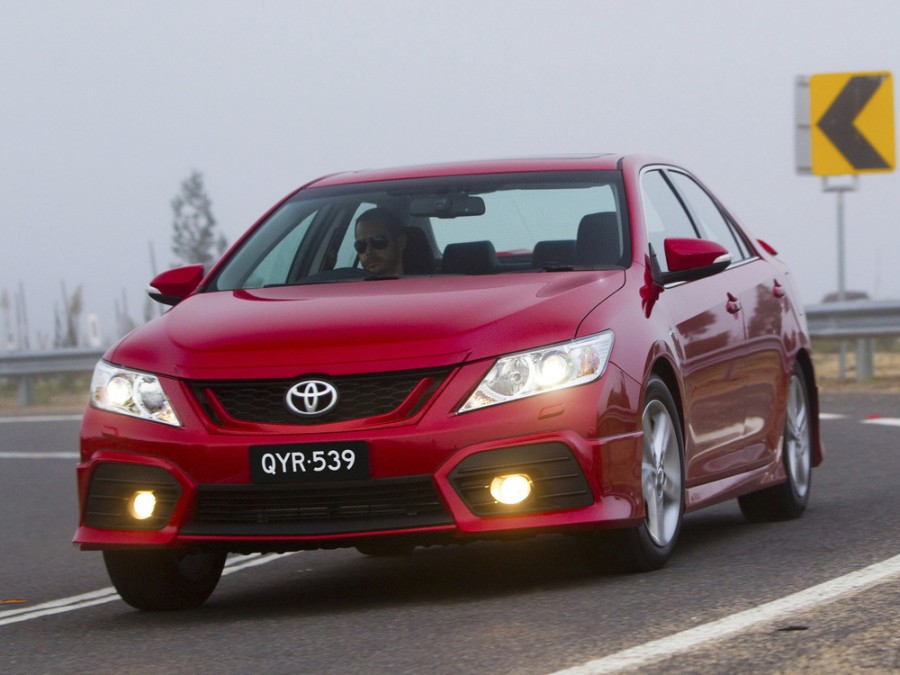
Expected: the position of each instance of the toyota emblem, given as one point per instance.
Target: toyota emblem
(311, 398)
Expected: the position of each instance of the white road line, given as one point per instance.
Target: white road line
(649, 652)
(831, 416)
(888, 421)
(38, 455)
(41, 418)
(70, 604)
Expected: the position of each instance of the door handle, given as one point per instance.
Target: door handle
(778, 290)
(733, 305)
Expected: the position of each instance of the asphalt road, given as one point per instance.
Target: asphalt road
(521, 607)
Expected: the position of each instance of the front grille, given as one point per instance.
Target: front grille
(112, 487)
(317, 509)
(558, 480)
(361, 396)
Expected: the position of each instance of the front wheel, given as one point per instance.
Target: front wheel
(649, 546)
(789, 499)
(164, 579)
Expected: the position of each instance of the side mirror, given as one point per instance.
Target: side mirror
(690, 259)
(173, 286)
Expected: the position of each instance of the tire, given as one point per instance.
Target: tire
(788, 500)
(164, 579)
(650, 545)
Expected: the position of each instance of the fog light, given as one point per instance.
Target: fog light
(142, 505)
(512, 489)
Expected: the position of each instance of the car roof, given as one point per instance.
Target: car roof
(587, 162)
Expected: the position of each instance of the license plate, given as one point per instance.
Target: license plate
(304, 462)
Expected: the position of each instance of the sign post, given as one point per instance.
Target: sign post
(845, 127)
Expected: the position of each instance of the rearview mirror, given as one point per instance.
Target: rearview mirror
(447, 206)
(173, 286)
(690, 259)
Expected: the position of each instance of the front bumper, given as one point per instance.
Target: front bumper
(429, 481)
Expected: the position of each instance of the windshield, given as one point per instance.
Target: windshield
(492, 224)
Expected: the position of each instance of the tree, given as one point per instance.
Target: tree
(194, 237)
(67, 321)
(9, 341)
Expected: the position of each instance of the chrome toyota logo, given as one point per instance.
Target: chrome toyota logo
(311, 398)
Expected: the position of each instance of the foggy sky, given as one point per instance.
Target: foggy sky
(108, 105)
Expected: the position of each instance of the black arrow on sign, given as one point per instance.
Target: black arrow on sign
(838, 123)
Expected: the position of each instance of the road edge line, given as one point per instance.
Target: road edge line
(821, 594)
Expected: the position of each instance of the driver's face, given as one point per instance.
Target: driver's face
(380, 261)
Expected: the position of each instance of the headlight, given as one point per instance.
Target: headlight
(548, 369)
(131, 393)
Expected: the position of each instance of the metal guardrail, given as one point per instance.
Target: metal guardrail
(859, 320)
(855, 319)
(24, 366)
(19, 364)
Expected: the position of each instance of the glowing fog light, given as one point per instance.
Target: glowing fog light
(142, 505)
(512, 489)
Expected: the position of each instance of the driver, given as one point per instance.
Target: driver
(380, 242)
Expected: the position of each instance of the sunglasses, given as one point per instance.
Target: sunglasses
(378, 243)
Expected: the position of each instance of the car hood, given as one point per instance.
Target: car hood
(363, 326)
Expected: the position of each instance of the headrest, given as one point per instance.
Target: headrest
(417, 256)
(553, 252)
(472, 257)
(599, 239)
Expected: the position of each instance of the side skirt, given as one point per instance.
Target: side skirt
(732, 487)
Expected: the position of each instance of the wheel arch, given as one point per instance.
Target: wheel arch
(804, 361)
(665, 371)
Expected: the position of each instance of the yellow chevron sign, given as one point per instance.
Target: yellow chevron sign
(852, 123)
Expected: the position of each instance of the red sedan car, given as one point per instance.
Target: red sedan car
(588, 345)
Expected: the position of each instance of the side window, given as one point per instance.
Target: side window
(710, 220)
(274, 268)
(664, 214)
(266, 259)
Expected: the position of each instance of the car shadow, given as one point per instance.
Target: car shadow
(327, 583)
(333, 581)
(705, 531)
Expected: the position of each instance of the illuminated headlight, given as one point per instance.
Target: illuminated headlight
(131, 393)
(548, 369)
